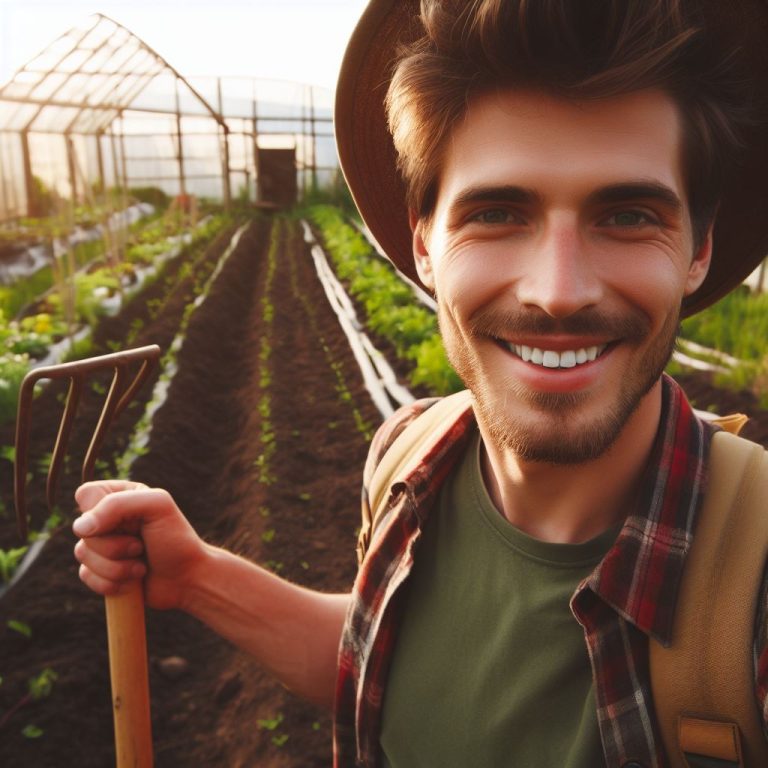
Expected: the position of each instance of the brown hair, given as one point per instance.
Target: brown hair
(581, 49)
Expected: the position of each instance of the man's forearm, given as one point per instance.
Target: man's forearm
(292, 631)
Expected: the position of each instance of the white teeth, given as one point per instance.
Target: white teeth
(547, 358)
(551, 359)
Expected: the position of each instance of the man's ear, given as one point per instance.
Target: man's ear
(699, 267)
(421, 255)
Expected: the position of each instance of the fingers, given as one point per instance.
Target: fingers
(102, 585)
(90, 494)
(121, 511)
(107, 563)
(112, 547)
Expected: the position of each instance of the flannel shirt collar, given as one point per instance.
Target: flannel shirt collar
(641, 574)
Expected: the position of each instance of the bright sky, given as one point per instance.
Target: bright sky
(300, 40)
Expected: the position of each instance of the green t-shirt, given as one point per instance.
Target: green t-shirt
(490, 667)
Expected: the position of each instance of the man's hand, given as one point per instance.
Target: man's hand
(128, 531)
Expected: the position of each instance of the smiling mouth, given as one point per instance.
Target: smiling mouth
(547, 358)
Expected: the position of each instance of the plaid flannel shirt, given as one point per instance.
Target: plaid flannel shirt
(630, 596)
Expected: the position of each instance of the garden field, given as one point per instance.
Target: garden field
(261, 439)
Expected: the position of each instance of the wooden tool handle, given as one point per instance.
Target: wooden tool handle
(130, 677)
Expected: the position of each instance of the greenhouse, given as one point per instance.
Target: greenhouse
(99, 109)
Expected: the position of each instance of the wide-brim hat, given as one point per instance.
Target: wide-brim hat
(369, 163)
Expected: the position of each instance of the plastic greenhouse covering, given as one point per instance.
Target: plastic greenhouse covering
(98, 108)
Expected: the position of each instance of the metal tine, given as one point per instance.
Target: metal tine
(76, 370)
(107, 414)
(141, 376)
(62, 439)
(113, 406)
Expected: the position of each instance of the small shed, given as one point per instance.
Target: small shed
(277, 177)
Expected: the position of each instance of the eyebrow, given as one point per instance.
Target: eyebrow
(637, 190)
(501, 194)
(613, 193)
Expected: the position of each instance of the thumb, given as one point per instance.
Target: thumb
(90, 494)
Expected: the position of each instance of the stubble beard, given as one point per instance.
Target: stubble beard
(557, 438)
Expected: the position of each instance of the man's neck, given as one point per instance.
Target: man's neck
(572, 503)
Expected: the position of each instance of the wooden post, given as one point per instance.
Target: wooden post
(71, 166)
(100, 164)
(121, 235)
(179, 144)
(5, 205)
(226, 185)
(256, 170)
(33, 203)
(314, 137)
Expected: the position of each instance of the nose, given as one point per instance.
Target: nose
(560, 277)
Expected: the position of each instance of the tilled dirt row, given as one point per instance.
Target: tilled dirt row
(152, 317)
(261, 441)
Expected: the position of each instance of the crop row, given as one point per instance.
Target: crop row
(190, 280)
(90, 295)
(387, 302)
(737, 325)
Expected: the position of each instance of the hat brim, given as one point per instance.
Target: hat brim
(369, 162)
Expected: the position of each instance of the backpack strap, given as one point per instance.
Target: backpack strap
(403, 455)
(703, 684)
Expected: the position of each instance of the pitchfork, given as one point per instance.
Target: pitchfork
(125, 612)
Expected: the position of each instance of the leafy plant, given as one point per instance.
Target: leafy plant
(738, 326)
(13, 368)
(9, 562)
(391, 309)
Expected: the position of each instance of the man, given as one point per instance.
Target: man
(576, 176)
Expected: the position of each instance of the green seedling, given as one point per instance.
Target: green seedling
(9, 562)
(20, 627)
(38, 687)
(270, 723)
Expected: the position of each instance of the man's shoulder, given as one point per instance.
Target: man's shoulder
(447, 421)
(393, 427)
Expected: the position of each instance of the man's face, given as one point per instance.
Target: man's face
(559, 250)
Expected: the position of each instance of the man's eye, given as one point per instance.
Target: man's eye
(628, 219)
(495, 216)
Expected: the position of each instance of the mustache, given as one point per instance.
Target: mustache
(630, 326)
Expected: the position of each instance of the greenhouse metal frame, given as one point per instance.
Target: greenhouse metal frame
(99, 108)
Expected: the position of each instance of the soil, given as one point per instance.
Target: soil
(205, 448)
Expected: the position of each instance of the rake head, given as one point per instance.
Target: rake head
(120, 393)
